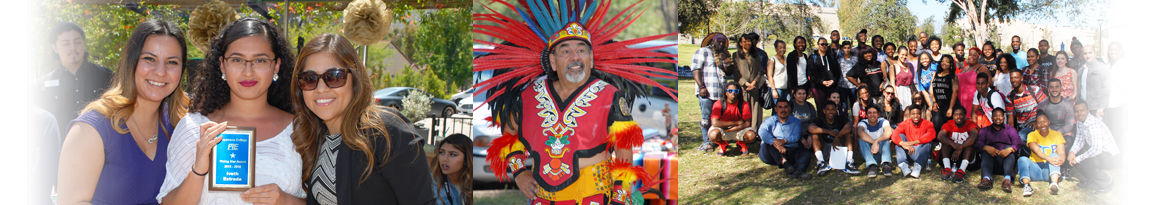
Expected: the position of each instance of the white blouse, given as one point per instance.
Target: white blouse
(276, 162)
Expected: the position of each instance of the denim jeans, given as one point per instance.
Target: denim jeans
(798, 157)
(1037, 171)
(921, 153)
(705, 105)
(989, 162)
(883, 152)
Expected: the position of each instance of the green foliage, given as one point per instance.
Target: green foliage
(953, 34)
(889, 18)
(443, 44)
(415, 105)
(106, 28)
(694, 16)
(428, 81)
(928, 26)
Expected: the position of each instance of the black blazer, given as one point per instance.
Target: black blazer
(820, 72)
(793, 69)
(404, 179)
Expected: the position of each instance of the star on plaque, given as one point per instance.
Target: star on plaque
(233, 155)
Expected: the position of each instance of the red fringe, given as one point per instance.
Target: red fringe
(626, 134)
(496, 159)
(619, 168)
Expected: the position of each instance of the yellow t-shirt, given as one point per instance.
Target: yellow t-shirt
(1048, 145)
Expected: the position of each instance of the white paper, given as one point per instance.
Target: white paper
(838, 159)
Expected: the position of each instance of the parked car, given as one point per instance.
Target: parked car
(467, 105)
(460, 95)
(393, 97)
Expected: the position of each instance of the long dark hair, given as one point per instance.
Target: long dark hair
(463, 143)
(946, 58)
(359, 119)
(210, 92)
(754, 38)
(1009, 62)
(118, 102)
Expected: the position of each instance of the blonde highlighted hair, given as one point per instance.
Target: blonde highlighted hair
(118, 102)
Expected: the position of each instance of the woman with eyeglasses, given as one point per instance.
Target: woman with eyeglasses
(114, 152)
(244, 83)
(354, 152)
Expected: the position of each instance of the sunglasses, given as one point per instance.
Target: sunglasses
(333, 77)
(733, 91)
(823, 44)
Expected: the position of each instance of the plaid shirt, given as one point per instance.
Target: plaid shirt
(704, 59)
(1091, 131)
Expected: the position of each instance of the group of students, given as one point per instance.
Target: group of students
(988, 110)
(320, 139)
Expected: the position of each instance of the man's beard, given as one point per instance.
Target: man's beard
(576, 76)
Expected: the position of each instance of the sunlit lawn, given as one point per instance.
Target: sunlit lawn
(709, 179)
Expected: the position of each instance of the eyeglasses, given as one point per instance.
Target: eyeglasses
(733, 91)
(333, 77)
(257, 63)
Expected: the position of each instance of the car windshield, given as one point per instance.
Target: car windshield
(388, 90)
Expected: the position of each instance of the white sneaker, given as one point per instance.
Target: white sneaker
(1053, 189)
(1026, 190)
(916, 171)
(904, 168)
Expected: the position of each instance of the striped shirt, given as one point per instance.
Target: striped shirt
(704, 59)
(1091, 131)
(1025, 108)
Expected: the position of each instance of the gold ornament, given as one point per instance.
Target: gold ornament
(207, 21)
(366, 21)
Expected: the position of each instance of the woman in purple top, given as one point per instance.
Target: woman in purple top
(113, 153)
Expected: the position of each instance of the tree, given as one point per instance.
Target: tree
(694, 15)
(977, 14)
(782, 17)
(443, 43)
(954, 34)
(928, 26)
(889, 18)
(732, 19)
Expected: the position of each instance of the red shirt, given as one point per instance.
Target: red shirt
(732, 113)
(923, 133)
(958, 134)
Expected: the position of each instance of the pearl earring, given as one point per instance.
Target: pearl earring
(275, 77)
(224, 76)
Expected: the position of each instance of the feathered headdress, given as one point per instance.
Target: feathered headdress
(523, 56)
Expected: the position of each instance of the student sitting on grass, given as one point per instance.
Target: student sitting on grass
(957, 137)
(832, 128)
(731, 119)
(913, 139)
(781, 140)
(874, 139)
(1047, 155)
(1000, 144)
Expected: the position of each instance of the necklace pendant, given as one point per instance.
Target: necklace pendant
(152, 140)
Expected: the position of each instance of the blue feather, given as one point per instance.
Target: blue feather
(562, 12)
(541, 17)
(589, 12)
(531, 25)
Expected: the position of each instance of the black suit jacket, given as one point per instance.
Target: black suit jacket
(793, 69)
(402, 178)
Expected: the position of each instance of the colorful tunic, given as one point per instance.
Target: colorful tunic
(555, 134)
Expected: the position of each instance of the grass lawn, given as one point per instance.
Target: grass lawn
(705, 178)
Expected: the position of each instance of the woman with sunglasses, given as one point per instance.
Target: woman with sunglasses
(243, 83)
(354, 152)
(114, 152)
